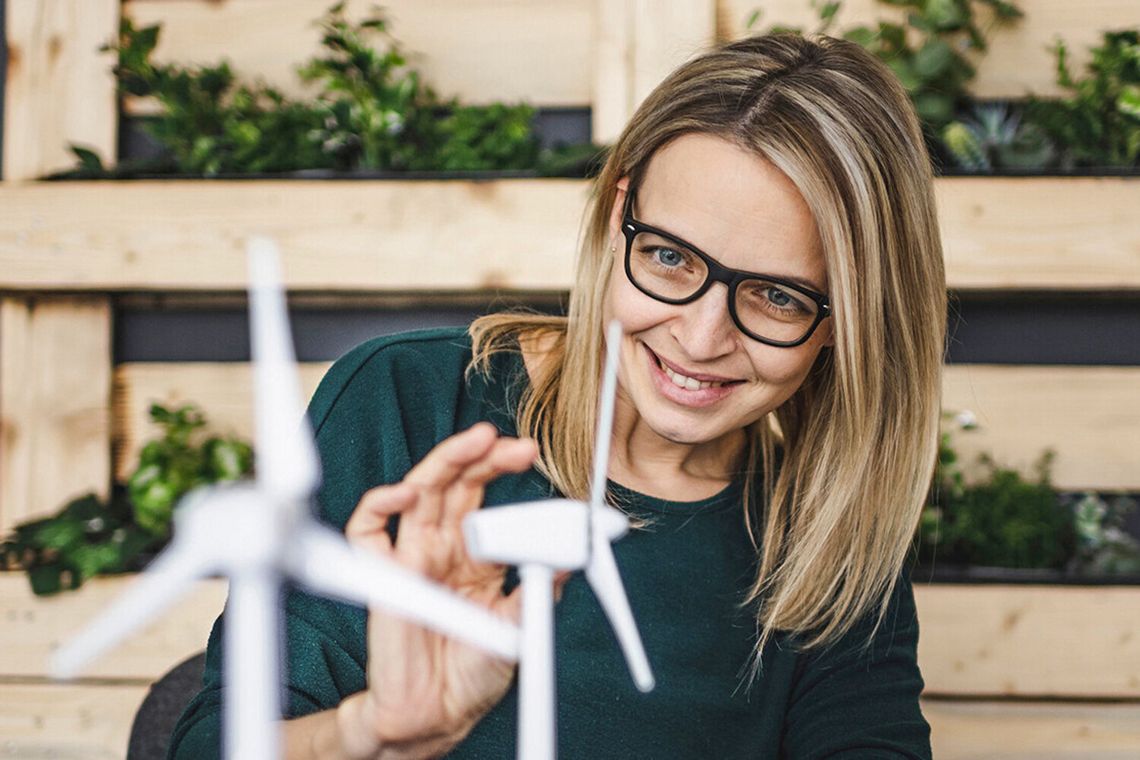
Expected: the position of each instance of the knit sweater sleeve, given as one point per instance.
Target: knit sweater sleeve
(860, 697)
(378, 410)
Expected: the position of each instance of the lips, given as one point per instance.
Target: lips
(685, 387)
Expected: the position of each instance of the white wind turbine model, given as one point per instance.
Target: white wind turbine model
(259, 534)
(561, 534)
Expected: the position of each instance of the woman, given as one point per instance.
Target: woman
(765, 231)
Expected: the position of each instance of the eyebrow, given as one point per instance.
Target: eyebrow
(803, 282)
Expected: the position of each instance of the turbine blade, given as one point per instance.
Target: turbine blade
(606, 415)
(166, 580)
(287, 464)
(326, 563)
(602, 573)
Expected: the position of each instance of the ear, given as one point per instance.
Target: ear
(829, 327)
(622, 190)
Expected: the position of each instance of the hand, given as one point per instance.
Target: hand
(425, 690)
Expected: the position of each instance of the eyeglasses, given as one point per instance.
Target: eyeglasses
(769, 309)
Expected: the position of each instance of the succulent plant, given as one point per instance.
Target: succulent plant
(994, 137)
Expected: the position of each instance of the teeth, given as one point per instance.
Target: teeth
(687, 383)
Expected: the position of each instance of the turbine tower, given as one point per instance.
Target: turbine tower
(561, 534)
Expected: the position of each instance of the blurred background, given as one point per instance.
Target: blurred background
(424, 162)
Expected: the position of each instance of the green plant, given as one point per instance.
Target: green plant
(371, 112)
(179, 461)
(1002, 519)
(997, 518)
(89, 537)
(1103, 547)
(1098, 124)
(209, 122)
(995, 137)
(929, 52)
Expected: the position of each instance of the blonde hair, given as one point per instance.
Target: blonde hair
(858, 439)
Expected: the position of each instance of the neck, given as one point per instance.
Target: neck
(647, 462)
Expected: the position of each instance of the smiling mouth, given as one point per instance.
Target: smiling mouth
(689, 383)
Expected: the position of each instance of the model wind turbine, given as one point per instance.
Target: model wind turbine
(259, 534)
(561, 534)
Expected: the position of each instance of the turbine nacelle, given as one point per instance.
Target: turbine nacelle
(553, 532)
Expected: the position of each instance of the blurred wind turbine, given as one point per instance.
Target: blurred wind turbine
(258, 535)
(561, 534)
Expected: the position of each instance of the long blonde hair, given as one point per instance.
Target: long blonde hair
(858, 439)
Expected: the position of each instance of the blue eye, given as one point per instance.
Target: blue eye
(778, 297)
(669, 257)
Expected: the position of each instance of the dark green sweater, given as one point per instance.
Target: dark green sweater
(388, 402)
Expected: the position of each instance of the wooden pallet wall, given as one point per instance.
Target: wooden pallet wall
(1012, 672)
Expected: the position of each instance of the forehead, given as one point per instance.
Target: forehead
(732, 204)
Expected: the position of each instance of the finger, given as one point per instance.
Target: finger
(368, 524)
(444, 464)
(507, 455)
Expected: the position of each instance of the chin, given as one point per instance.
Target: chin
(683, 428)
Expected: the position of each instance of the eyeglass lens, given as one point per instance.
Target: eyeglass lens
(673, 272)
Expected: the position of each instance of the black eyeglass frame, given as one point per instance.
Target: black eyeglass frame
(732, 278)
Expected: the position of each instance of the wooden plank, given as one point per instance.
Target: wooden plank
(666, 35)
(542, 50)
(1018, 61)
(347, 236)
(222, 391)
(93, 721)
(34, 627)
(1068, 234)
(1089, 415)
(55, 397)
(1042, 233)
(639, 42)
(1035, 641)
(67, 721)
(59, 86)
(1031, 731)
(612, 102)
(982, 641)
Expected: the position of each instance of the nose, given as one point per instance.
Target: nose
(704, 328)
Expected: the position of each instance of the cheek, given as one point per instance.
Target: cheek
(781, 366)
(636, 311)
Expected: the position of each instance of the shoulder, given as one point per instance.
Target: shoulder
(374, 371)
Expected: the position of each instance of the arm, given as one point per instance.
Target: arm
(854, 701)
(425, 691)
(362, 414)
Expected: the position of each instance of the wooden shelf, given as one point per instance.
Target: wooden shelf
(34, 627)
(982, 641)
(986, 648)
(989, 730)
(450, 236)
(1088, 415)
(1029, 641)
